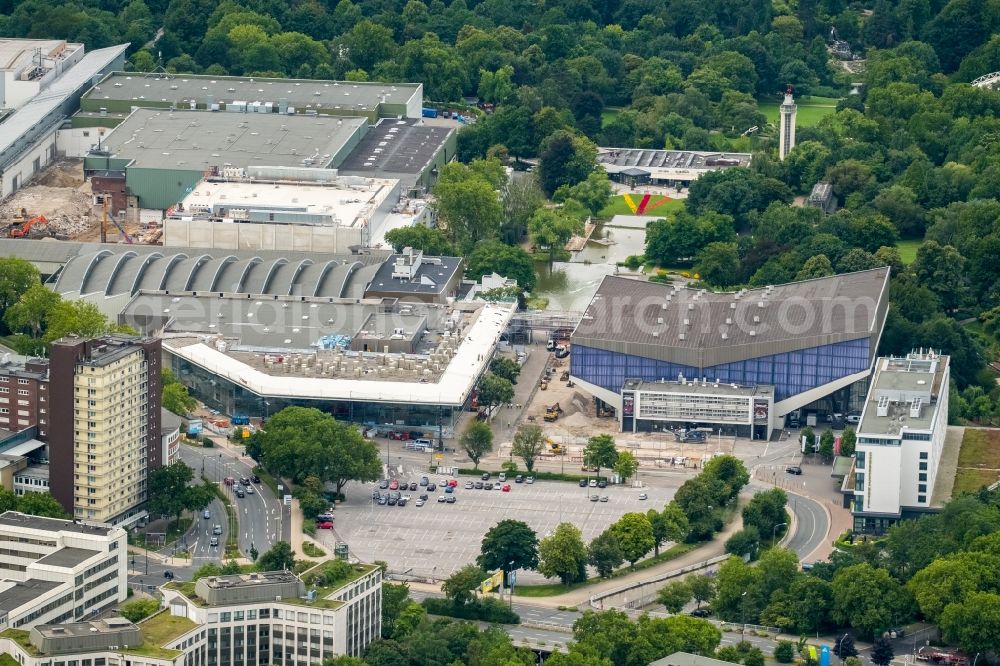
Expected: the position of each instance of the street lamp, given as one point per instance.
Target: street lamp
(510, 579)
(839, 644)
(743, 609)
(775, 529)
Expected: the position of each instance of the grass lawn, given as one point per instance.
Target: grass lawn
(978, 461)
(908, 250)
(157, 630)
(608, 114)
(811, 109)
(618, 206)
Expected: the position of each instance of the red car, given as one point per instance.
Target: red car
(452, 483)
(325, 525)
(394, 485)
(506, 488)
(401, 436)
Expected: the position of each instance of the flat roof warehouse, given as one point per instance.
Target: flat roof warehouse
(329, 96)
(194, 140)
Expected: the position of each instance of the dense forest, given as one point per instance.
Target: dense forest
(914, 159)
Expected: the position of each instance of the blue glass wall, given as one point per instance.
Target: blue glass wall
(790, 373)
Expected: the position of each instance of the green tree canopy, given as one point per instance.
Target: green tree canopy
(509, 545)
(563, 555)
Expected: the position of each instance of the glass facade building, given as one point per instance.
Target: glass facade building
(790, 373)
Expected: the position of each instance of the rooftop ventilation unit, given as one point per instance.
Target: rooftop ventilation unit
(915, 407)
(882, 407)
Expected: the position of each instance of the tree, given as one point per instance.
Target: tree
(731, 471)
(844, 647)
(139, 609)
(810, 437)
(509, 545)
(468, 205)
(738, 596)
(76, 317)
(170, 493)
(562, 555)
(848, 441)
(31, 311)
(520, 200)
(605, 554)
(343, 660)
(668, 525)
(461, 584)
(175, 398)
(882, 653)
(495, 391)
(702, 588)
(594, 193)
(509, 261)
(815, 267)
(953, 579)
(507, 368)
(784, 652)
(278, 558)
(552, 229)
(942, 270)
(600, 452)
(528, 444)
(302, 441)
(477, 441)
(395, 597)
(565, 159)
(826, 445)
(674, 595)
(974, 623)
(16, 277)
(718, 264)
(745, 543)
(433, 242)
(626, 466)
(869, 599)
(766, 512)
(635, 536)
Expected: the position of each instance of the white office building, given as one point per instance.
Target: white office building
(900, 440)
(54, 571)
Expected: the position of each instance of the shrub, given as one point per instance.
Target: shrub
(784, 652)
(139, 609)
(633, 262)
(312, 550)
(483, 610)
(207, 443)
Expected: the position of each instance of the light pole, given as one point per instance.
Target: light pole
(774, 531)
(839, 645)
(510, 579)
(743, 610)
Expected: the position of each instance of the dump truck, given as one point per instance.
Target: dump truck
(552, 412)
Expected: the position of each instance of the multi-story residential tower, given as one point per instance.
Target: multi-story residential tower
(106, 436)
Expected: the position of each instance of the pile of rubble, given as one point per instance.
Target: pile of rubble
(69, 211)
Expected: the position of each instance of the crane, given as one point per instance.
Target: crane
(109, 216)
(22, 230)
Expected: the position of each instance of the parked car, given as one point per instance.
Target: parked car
(518, 479)
(479, 485)
(602, 484)
(594, 498)
(530, 479)
(415, 434)
(469, 485)
(383, 484)
(420, 502)
(503, 476)
(324, 517)
(442, 498)
(593, 483)
(485, 476)
(423, 497)
(392, 501)
(450, 499)
(700, 612)
(383, 500)
(793, 469)
(583, 483)
(431, 487)
(854, 418)
(488, 485)
(402, 501)
(413, 487)
(169, 575)
(394, 485)
(643, 496)
(424, 480)
(325, 525)
(604, 498)
(449, 489)
(506, 488)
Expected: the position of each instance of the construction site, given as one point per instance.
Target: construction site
(59, 204)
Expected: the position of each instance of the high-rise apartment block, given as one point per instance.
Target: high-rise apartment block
(106, 393)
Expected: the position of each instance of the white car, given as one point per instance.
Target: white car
(503, 476)
(643, 496)
(854, 418)
(420, 502)
(249, 490)
(530, 479)
(593, 483)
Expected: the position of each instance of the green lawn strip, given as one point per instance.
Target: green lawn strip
(159, 630)
(980, 449)
(617, 206)
(554, 589)
(232, 546)
(608, 114)
(908, 250)
(20, 636)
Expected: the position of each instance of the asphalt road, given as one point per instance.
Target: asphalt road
(262, 518)
(811, 525)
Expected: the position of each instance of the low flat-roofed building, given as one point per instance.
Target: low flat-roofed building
(166, 153)
(669, 405)
(390, 332)
(250, 356)
(249, 588)
(411, 276)
(822, 197)
(73, 637)
(409, 150)
(641, 166)
(121, 91)
(901, 437)
(285, 208)
(59, 570)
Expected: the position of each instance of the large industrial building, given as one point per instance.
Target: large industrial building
(42, 81)
(900, 441)
(55, 571)
(669, 357)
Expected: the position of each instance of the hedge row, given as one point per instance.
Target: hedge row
(483, 610)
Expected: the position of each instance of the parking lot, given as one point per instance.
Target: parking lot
(436, 539)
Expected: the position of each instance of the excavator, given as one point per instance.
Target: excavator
(20, 230)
